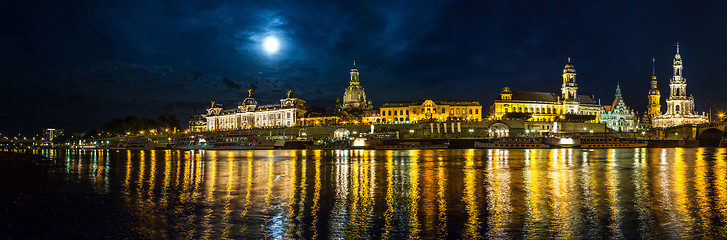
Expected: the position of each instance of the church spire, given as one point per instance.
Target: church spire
(618, 90)
(677, 47)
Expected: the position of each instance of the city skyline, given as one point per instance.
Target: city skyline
(150, 59)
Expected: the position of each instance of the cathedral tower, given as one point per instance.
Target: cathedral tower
(678, 102)
(679, 106)
(654, 107)
(570, 88)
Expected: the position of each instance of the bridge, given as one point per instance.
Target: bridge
(712, 134)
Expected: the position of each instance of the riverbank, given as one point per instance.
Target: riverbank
(36, 203)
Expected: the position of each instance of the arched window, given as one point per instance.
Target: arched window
(677, 108)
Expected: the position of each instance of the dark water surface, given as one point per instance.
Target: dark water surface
(320, 194)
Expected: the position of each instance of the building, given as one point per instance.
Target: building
(197, 123)
(51, 133)
(430, 110)
(354, 98)
(249, 115)
(545, 106)
(654, 107)
(618, 116)
(679, 106)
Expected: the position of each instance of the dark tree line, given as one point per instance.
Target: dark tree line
(135, 124)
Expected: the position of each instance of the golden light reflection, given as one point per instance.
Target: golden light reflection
(293, 190)
(152, 175)
(303, 197)
(414, 195)
(227, 211)
(269, 193)
(207, 226)
(497, 184)
(561, 193)
(612, 192)
(471, 230)
(127, 176)
(680, 191)
(167, 177)
(534, 184)
(704, 211)
(140, 177)
(642, 192)
(720, 182)
(248, 188)
(388, 214)
(441, 199)
(315, 210)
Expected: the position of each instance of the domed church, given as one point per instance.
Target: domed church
(354, 97)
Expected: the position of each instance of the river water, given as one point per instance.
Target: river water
(675, 193)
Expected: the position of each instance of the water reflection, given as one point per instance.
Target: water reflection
(314, 194)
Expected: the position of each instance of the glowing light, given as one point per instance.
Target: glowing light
(359, 142)
(271, 44)
(568, 141)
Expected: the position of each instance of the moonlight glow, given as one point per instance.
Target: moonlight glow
(271, 44)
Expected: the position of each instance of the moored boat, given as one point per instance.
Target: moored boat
(610, 142)
(512, 143)
(239, 142)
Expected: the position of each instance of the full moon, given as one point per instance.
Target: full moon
(271, 44)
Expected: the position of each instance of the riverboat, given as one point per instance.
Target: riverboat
(239, 142)
(512, 143)
(607, 142)
(189, 143)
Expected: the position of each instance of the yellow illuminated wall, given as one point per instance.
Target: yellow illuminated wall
(431, 110)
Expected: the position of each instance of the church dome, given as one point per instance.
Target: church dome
(569, 68)
(354, 96)
(249, 102)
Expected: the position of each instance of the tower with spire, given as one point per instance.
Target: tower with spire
(354, 97)
(570, 88)
(654, 106)
(618, 116)
(679, 105)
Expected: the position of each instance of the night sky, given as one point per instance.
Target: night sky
(77, 65)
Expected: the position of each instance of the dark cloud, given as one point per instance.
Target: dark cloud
(231, 84)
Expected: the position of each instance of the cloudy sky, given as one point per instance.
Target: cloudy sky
(78, 64)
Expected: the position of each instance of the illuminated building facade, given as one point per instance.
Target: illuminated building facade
(354, 97)
(618, 116)
(679, 106)
(51, 133)
(430, 110)
(654, 107)
(249, 115)
(545, 106)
